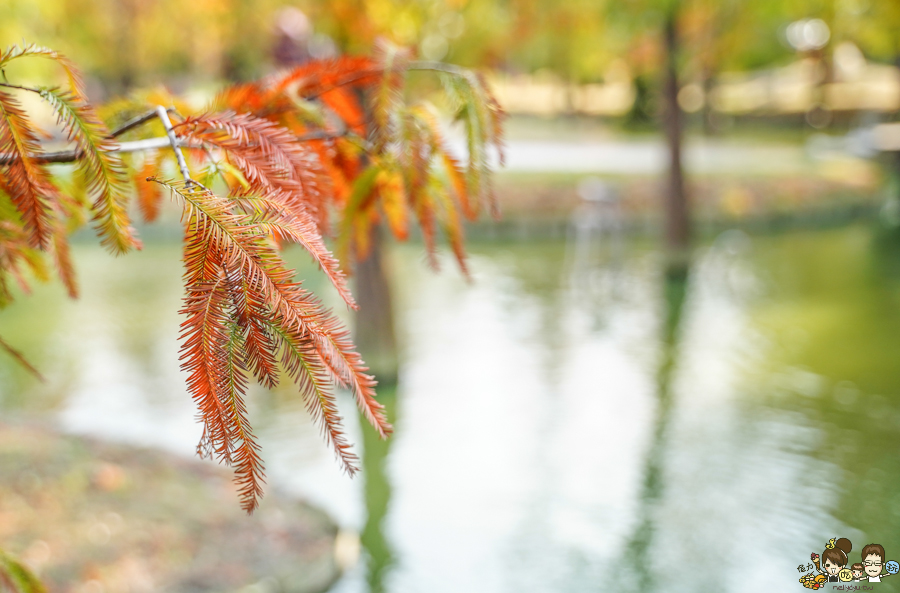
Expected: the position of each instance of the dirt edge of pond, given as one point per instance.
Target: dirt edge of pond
(96, 517)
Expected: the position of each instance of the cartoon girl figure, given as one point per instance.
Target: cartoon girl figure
(873, 560)
(834, 558)
(857, 572)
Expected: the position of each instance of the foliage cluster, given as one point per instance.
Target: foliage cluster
(330, 147)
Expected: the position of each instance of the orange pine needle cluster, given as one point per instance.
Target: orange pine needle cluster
(329, 139)
(417, 174)
(244, 312)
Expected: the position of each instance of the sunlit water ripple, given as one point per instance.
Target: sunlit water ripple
(568, 421)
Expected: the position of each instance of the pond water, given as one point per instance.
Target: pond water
(571, 420)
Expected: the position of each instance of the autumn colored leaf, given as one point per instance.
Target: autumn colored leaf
(29, 183)
(331, 144)
(149, 194)
(104, 172)
(76, 84)
(393, 201)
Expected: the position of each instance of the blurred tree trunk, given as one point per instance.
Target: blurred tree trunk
(237, 63)
(640, 112)
(375, 336)
(125, 44)
(677, 216)
(710, 125)
(896, 156)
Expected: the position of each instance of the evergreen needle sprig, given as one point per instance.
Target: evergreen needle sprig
(332, 147)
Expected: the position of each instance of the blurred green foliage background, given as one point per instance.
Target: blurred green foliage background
(123, 43)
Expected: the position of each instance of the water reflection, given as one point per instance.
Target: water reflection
(559, 428)
(638, 560)
(375, 452)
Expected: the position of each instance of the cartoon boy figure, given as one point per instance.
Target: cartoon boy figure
(857, 572)
(873, 560)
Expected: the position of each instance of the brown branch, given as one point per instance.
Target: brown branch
(71, 156)
(21, 88)
(137, 121)
(129, 125)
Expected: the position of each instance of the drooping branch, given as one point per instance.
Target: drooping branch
(74, 155)
(371, 157)
(104, 173)
(71, 156)
(29, 185)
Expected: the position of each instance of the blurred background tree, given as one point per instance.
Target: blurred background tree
(143, 41)
(775, 115)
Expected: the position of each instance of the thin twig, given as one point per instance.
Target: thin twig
(136, 121)
(70, 156)
(343, 82)
(152, 144)
(215, 163)
(21, 88)
(438, 67)
(182, 165)
(343, 131)
(129, 125)
(322, 135)
(418, 66)
(21, 359)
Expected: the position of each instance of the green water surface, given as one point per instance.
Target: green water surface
(572, 419)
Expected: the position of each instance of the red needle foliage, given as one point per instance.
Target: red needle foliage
(270, 163)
